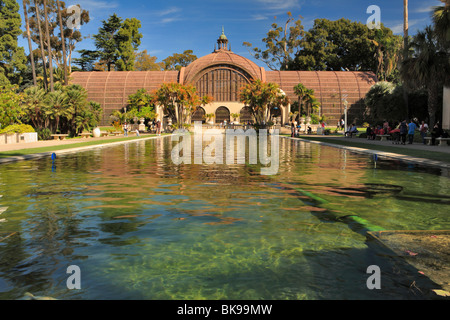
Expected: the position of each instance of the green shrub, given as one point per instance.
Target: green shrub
(17, 128)
(44, 134)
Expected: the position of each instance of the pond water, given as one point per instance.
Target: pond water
(140, 227)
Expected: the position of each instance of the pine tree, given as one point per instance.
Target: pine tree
(12, 57)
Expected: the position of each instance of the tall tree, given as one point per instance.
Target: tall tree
(343, 45)
(41, 42)
(441, 19)
(106, 40)
(282, 44)
(12, 57)
(128, 41)
(49, 45)
(179, 60)
(30, 46)
(428, 67)
(63, 43)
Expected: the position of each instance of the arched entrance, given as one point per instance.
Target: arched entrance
(222, 114)
(199, 115)
(277, 115)
(245, 115)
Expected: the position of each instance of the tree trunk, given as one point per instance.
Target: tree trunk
(49, 46)
(433, 103)
(63, 42)
(33, 68)
(405, 50)
(38, 21)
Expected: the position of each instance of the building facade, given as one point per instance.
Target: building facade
(221, 74)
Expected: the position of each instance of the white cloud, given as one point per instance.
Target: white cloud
(94, 4)
(426, 9)
(280, 4)
(168, 11)
(397, 27)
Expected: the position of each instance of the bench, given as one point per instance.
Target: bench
(104, 134)
(85, 135)
(442, 142)
(383, 136)
(117, 133)
(59, 136)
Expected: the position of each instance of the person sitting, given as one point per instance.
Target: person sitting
(353, 130)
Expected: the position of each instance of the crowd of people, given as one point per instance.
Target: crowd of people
(403, 132)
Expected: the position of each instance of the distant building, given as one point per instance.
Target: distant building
(221, 74)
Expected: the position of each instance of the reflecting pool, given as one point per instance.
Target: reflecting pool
(140, 227)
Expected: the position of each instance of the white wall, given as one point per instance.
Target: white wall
(446, 109)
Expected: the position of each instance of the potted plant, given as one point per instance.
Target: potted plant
(210, 117)
(235, 116)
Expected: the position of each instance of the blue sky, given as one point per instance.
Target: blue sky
(172, 26)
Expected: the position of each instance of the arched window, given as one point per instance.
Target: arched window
(199, 115)
(223, 83)
(245, 115)
(222, 114)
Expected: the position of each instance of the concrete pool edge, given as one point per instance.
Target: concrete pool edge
(390, 155)
(33, 156)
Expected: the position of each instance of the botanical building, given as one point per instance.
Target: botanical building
(221, 74)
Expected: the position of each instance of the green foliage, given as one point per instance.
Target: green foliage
(262, 98)
(179, 60)
(129, 40)
(282, 43)
(145, 62)
(427, 67)
(44, 134)
(17, 128)
(346, 45)
(10, 110)
(12, 57)
(179, 101)
(117, 41)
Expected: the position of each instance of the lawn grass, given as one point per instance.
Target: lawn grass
(23, 152)
(432, 154)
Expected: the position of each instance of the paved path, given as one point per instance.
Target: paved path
(416, 146)
(51, 143)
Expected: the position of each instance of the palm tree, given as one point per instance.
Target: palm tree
(58, 107)
(300, 91)
(63, 43)
(33, 104)
(441, 19)
(49, 46)
(27, 23)
(428, 67)
(309, 99)
(41, 40)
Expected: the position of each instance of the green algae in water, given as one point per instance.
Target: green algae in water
(140, 227)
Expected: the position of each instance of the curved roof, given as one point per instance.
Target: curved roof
(330, 87)
(111, 89)
(220, 57)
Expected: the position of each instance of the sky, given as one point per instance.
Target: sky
(173, 26)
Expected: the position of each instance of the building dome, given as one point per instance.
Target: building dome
(221, 58)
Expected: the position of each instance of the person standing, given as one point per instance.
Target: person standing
(411, 130)
(158, 127)
(403, 131)
(423, 131)
(125, 129)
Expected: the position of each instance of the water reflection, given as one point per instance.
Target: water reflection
(141, 227)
